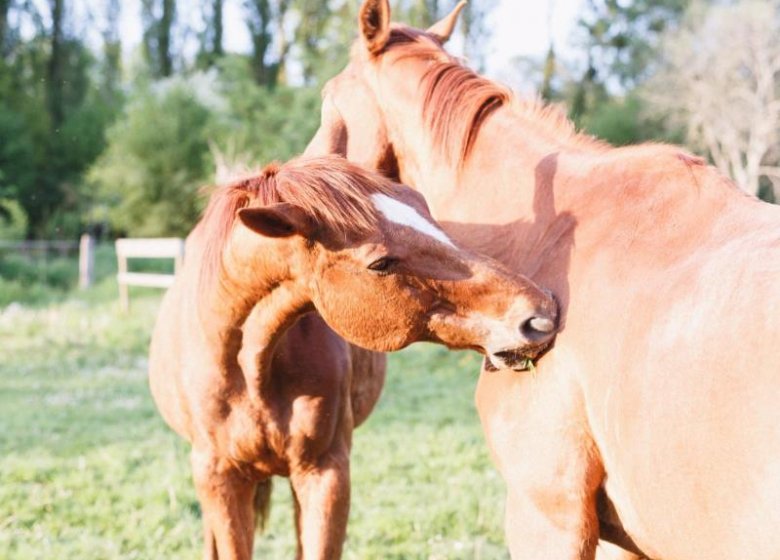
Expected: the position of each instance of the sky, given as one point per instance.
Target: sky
(523, 28)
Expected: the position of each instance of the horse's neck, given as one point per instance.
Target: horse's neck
(522, 192)
(243, 321)
(262, 331)
(507, 200)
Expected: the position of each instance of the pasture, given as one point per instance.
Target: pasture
(88, 470)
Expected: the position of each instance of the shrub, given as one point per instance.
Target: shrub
(149, 179)
(156, 161)
(15, 291)
(13, 220)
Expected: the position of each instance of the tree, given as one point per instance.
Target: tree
(112, 49)
(52, 120)
(160, 152)
(158, 18)
(548, 75)
(620, 41)
(5, 6)
(475, 30)
(149, 176)
(622, 37)
(726, 93)
(56, 64)
(211, 49)
(310, 34)
(419, 13)
(266, 22)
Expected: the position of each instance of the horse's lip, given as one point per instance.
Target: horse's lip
(520, 359)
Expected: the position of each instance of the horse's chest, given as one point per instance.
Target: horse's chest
(287, 427)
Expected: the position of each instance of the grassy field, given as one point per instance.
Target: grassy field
(89, 471)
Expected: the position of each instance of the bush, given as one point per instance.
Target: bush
(159, 157)
(265, 124)
(156, 161)
(623, 121)
(14, 291)
(59, 273)
(13, 220)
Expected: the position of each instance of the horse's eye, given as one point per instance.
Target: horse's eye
(384, 264)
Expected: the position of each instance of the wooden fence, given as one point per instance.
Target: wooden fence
(85, 247)
(40, 247)
(159, 248)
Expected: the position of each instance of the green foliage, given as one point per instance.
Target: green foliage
(623, 120)
(42, 158)
(42, 280)
(17, 153)
(622, 37)
(265, 124)
(59, 273)
(13, 220)
(148, 177)
(90, 470)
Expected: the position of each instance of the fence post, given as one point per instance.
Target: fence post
(86, 261)
(124, 290)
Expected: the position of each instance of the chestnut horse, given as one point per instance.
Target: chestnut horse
(657, 409)
(261, 386)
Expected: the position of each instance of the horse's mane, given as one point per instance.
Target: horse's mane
(458, 101)
(333, 191)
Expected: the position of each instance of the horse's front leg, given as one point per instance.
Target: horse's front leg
(536, 427)
(227, 502)
(321, 493)
(209, 542)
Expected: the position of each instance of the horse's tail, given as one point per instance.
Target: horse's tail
(262, 503)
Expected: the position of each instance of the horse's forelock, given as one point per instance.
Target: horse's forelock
(333, 191)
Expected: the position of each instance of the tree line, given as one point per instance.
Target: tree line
(94, 135)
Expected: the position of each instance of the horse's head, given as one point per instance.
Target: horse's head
(373, 104)
(366, 254)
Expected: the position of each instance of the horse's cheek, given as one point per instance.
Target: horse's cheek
(358, 308)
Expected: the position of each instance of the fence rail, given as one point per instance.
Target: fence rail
(39, 246)
(155, 248)
(85, 247)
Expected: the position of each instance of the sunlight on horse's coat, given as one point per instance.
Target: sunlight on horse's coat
(665, 274)
(245, 361)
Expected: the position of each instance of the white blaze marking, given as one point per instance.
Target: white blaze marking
(403, 214)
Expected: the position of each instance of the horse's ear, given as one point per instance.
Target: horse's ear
(374, 22)
(277, 220)
(444, 27)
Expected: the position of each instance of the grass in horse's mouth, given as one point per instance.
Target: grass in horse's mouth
(525, 365)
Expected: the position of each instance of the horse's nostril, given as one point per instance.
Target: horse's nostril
(541, 324)
(538, 327)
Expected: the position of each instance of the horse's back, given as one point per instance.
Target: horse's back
(686, 415)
